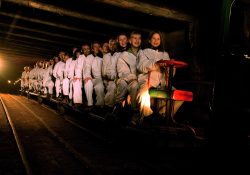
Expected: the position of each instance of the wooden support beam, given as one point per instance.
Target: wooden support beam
(154, 10)
(37, 38)
(3, 40)
(150, 9)
(41, 32)
(7, 53)
(26, 47)
(62, 26)
(66, 12)
(20, 50)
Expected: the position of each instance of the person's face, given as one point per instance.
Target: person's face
(123, 40)
(96, 48)
(78, 54)
(61, 55)
(86, 50)
(112, 45)
(105, 47)
(155, 40)
(135, 40)
(65, 58)
(56, 59)
(51, 62)
(40, 64)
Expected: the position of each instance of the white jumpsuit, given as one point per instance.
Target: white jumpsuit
(26, 79)
(58, 74)
(127, 74)
(33, 79)
(147, 59)
(70, 77)
(40, 76)
(109, 74)
(48, 83)
(23, 79)
(77, 84)
(65, 75)
(93, 69)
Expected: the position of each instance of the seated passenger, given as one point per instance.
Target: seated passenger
(58, 74)
(109, 73)
(49, 84)
(78, 74)
(127, 83)
(150, 74)
(67, 60)
(93, 77)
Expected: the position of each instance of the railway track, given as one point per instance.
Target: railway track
(14, 160)
(68, 144)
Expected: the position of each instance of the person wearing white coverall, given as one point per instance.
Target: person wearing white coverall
(33, 78)
(127, 73)
(47, 81)
(26, 78)
(79, 68)
(40, 76)
(70, 74)
(46, 65)
(58, 74)
(65, 85)
(109, 73)
(92, 77)
(150, 74)
(122, 40)
(23, 78)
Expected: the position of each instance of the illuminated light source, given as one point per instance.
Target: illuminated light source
(9, 81)
(144, 100)
(2, 64)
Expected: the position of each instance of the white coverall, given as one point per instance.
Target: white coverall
(26, 79)
(93, 69)
(23, 79)
(40, 76)
(77, 84)
(109, 75)
(147, 59)
(58, 74)
(70, 75)
(127, 73)
(48, 84)
(33, 79)
(65, 75)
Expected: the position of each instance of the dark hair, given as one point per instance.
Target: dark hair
(74, 55)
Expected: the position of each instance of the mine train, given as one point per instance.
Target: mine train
(191, 122)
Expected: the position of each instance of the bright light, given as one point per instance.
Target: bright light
(145, 102)
(2, 64)
(9, 81)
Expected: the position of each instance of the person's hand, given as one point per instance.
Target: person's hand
(87, 79)
(75, 79)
